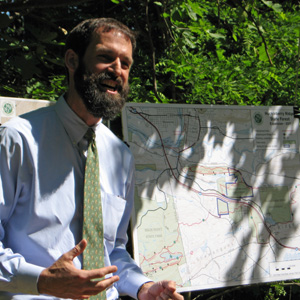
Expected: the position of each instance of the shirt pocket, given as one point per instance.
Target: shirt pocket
(113, 207)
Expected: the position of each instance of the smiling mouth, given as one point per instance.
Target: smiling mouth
(110, 86)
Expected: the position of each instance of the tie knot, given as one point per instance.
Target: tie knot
(90, 135)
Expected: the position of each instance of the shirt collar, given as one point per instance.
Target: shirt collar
(74, 126)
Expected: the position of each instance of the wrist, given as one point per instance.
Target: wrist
(40, 282)
(144, 288)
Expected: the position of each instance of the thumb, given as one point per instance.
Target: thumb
(77, 250)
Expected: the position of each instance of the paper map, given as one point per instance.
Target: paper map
(217, 196)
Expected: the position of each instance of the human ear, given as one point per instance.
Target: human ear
(71, 60)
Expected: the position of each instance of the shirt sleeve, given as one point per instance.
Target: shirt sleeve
(131, 276)
(16, 275)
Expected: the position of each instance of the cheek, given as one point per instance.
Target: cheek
(99, 68)
(96, 67)
(125, 76)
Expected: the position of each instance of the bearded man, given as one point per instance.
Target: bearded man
(42, 168)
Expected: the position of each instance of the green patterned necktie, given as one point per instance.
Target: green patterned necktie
(93, 256)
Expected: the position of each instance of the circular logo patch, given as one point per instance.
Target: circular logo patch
(258, 118)
(7, 108)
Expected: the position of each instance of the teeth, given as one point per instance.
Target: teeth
(111, 87)
(110, 83)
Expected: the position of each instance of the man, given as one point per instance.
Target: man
(42, 160)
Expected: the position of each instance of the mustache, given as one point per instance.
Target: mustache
(98, 79)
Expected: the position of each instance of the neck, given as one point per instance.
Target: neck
(76, 104)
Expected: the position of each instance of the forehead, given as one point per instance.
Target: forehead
(104, 38)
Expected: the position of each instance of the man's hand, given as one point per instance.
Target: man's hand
(159, 290)
(64, 280)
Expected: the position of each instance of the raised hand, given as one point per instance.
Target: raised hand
(64, 280)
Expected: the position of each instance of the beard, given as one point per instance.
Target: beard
(97, 101)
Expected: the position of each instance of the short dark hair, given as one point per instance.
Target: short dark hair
(80, 36)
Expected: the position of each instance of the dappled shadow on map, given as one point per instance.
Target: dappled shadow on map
(270, 212)
(217, 191)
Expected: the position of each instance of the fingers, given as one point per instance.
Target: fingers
(170, 285)
(94, 286)
(162, 290)
(168, 291)
(76, 251)
(99, 273)
(97, 280)
(105, 283)
(167, 294)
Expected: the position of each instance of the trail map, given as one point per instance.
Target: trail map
(217, 193)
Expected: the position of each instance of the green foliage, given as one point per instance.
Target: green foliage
(192, 51)
(31, 52)
(275, 291)
(55, 87)
(231, 54)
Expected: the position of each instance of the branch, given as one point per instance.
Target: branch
(297, 72)
(225, 292)
(220, 295)
(290, 284)
(174, 40)
(153, 53)
(38, 4)
(259, 31)
(219, 9)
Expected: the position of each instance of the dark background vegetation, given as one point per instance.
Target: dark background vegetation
(243, 52)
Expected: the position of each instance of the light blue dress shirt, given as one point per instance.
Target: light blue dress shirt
(41, 193)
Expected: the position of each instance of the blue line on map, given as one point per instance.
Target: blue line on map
(226, 211)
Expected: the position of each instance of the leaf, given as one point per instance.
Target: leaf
(220, 54)
(189, 39)
(191, 13)
(216, 35)
(234, 37)
(196, 8)
(275, 6)
(158, 3)
(115, 1)
(275, 77)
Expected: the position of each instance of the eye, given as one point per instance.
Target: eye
(125, 65)
(104, 58)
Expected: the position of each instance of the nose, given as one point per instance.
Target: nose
(115, 67)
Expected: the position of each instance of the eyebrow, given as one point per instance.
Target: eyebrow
(106, 50)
